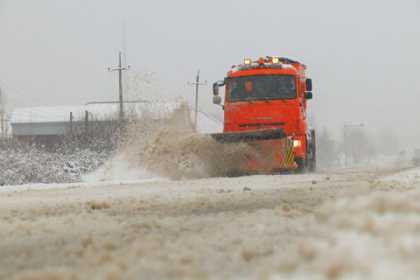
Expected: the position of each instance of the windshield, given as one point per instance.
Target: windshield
(261, 88)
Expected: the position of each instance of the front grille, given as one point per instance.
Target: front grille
(261, 124)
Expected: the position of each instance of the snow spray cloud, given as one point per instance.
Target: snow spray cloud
(170, 147)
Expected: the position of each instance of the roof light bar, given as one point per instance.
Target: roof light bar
(247, 61)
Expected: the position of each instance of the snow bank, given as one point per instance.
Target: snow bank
(369, 237)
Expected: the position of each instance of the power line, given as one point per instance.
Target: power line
(114, 102)
(210, 116)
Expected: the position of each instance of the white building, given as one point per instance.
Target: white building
(48, 124)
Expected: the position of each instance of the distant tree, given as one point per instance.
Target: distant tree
(357, 145)
(387, 142)
(327, 149)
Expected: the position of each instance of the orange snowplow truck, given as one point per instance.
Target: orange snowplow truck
(265, 105)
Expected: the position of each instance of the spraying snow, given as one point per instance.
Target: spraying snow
(170, 147)
(118, 169)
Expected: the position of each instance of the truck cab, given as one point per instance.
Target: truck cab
(270, 93)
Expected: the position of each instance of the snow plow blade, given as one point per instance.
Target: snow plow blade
(232, 137)
(270, 151)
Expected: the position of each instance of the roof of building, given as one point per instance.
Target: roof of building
(98, 111)
(53, 120)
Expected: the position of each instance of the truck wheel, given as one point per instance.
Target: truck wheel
(312, 148)
(312, 165)
(301, 165)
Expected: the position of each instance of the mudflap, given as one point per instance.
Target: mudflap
(271, 151)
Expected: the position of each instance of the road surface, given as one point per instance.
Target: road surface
(348, 224)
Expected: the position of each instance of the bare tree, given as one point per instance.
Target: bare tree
(327, 149)
(357, 144)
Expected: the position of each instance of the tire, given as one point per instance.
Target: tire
(301, 166)
(312, 148)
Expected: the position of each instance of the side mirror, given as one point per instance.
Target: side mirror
(308, 95)
(216, 89)
(216, 86)
(308, 84)
(217, 100)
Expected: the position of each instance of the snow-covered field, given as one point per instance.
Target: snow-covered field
(349, 224)
(29, 164)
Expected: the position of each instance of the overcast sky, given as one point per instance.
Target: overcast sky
(362, 55)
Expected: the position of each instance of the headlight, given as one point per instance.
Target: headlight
(247, 61)
(297, 143)
(275, 59)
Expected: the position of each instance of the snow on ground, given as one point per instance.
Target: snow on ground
(88, 183)
(118, 169)
(316, 226)
(408, 176)
(374, 236)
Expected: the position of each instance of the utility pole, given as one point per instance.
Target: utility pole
(197, 85)
(120, 69)
(71, 123)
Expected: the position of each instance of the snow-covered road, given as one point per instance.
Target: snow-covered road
(348, 224)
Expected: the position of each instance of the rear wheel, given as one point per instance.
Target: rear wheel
(301, 165)
(311, 152)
